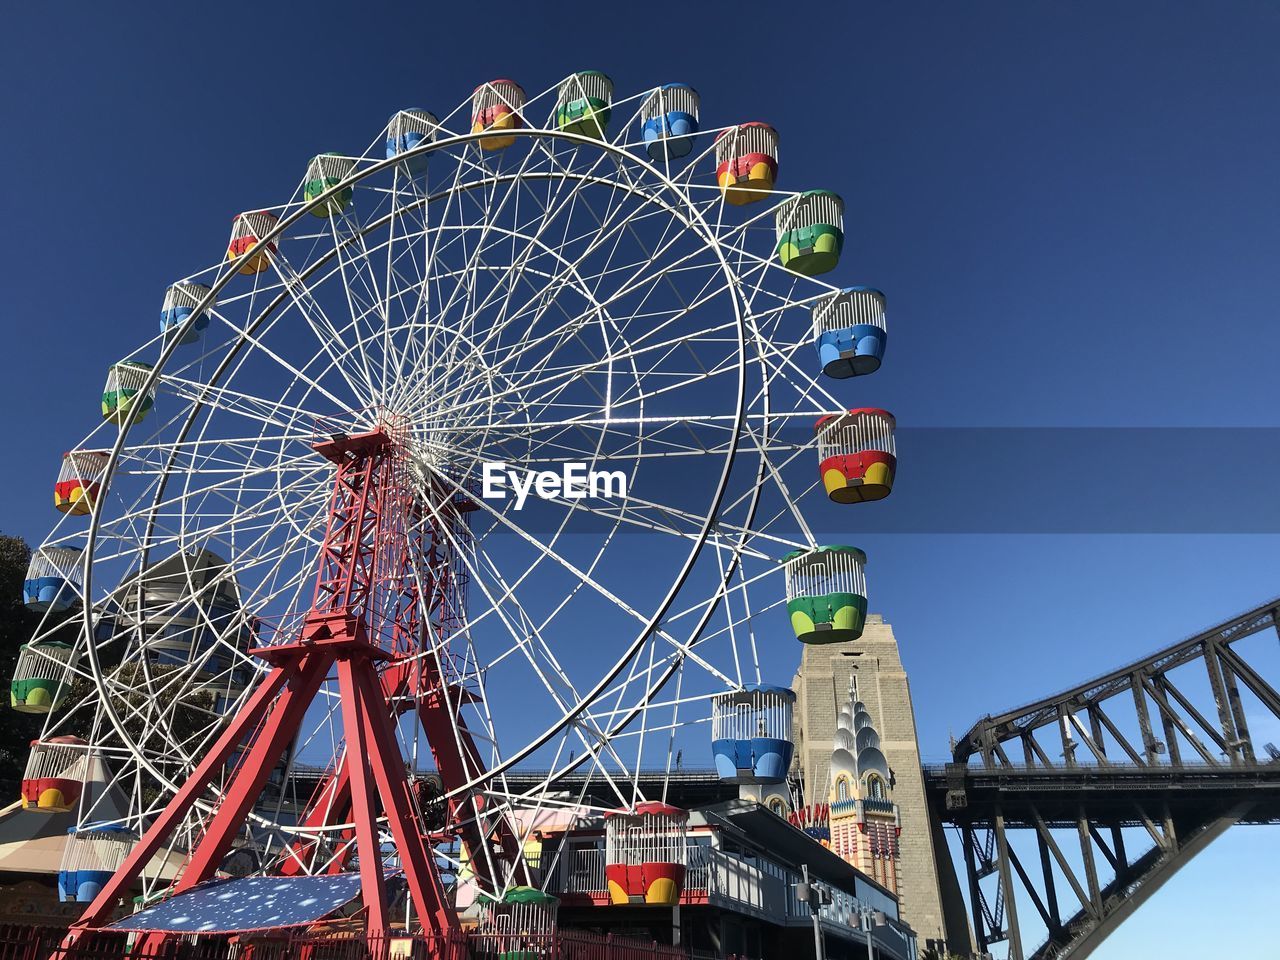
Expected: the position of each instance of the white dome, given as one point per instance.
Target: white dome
(872, 760)
(842, 761)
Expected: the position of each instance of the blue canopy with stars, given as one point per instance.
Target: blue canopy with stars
(247, 904)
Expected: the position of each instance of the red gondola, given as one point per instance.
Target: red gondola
(856, 454)
(645, 854)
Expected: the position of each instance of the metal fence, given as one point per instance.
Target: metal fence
(50, 943)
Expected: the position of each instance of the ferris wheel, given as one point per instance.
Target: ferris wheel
(539, 394)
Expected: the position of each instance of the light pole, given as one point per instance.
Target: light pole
(870, 919)
(815, 897)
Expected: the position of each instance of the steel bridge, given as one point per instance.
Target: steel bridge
(1072, 811)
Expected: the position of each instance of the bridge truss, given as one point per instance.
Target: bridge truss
(1073, 810)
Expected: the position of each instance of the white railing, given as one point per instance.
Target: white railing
(751, 885)
(761, 887)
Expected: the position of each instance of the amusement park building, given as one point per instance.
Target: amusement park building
(739, 897)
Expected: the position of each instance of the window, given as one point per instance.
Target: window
(875, 787)
(842, 788)
(777, 806)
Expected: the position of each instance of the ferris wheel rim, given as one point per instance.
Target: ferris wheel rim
(708, 239)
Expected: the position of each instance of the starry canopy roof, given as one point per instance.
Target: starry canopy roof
(247, 904)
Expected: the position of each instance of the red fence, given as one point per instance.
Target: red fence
(45, 943)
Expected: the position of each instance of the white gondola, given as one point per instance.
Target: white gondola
(520, 926)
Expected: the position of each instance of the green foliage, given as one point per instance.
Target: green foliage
(17, 624)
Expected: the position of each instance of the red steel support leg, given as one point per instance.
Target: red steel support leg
(362, 552)
(251, 775)
(458, 762)
(416, 857)
(368, 848)
(99, 911)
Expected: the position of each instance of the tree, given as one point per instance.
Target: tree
(17, 624)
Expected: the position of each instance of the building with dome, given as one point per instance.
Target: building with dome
(858, 777)
(863, 820)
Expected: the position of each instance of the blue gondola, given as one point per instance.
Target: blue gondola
(408, 129)
(669, 120)
(849, 332)
(180, 301)
(92, 855)
(53, 580)
(751, 734)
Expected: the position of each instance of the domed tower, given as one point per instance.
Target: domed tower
(826, 722)
(864, 820)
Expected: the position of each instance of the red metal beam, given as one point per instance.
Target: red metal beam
(425, 888)
(364, 550)
(119, 886)
(359, 755)
(418, 683)
(252, 772)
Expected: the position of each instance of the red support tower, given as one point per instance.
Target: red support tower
(430, 579)
(358, 619)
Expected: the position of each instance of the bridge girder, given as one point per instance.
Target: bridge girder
(1160, 749)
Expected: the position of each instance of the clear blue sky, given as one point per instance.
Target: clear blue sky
(1072, 207)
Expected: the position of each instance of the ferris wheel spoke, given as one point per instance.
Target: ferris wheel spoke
(305, 464)
(549, 670)
(600, 236)
(546, 551)
(351, 267)
(586, 579)
(254, 340)
(328, 335)
(559, 377)
(574, 323)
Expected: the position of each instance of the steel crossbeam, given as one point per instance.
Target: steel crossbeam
(1160, 749)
